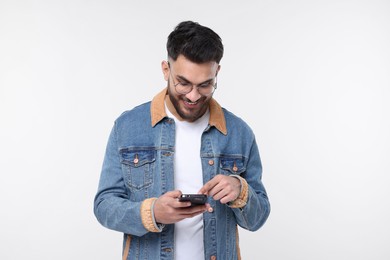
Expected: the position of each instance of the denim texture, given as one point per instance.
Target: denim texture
(138, 164)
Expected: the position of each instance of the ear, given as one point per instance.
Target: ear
(219, 67)
(165, 69)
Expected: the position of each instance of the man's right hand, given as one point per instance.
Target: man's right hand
(168, 209)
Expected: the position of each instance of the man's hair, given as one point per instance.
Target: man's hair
(197, 43)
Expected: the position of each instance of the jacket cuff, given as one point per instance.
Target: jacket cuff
(242, 198)
(147, 216)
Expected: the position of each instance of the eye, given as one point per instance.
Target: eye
(185, 84)
(205, 85)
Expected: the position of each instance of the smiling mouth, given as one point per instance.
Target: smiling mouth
(191, 103)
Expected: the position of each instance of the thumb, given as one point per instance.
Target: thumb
(174, 194)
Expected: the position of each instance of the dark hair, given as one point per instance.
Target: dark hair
(197, 43)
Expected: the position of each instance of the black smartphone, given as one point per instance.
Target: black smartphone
(195, 199)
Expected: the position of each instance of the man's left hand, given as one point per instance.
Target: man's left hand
(223, 188)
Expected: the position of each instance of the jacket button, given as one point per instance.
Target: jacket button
(211, 162)
(167, 250)
(213, 257)
(135, 160)
(235, 168)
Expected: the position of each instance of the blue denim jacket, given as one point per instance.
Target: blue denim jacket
(138, 168)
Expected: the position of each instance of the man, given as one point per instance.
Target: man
(182, 142)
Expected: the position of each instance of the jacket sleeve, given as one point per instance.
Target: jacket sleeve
(112, 206)
(252, 207)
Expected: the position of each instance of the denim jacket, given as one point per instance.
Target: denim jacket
(138, 168)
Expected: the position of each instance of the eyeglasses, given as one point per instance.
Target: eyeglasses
(184, 87)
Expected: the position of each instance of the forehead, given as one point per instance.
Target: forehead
(193, 71)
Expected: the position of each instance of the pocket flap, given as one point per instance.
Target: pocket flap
(232, 164)
(137, 158)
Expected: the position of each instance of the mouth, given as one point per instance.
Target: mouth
(190, 104)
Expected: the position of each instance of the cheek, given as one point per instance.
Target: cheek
(207, 99)
(172, 96)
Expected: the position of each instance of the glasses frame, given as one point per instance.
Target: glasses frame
(214, 86)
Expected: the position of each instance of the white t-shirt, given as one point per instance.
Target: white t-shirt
(188, 178)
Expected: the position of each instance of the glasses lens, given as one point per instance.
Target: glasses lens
(207, 89)
(183, 88)
(203, 89)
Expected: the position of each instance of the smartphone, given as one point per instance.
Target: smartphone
(195, 199)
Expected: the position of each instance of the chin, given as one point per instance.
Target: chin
(191, 116)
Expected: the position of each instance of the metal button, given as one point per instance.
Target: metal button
(167, 250)
(213, 257)
(135, 161)
(211, 162)
(235, 167)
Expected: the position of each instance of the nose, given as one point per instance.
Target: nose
(194, 95)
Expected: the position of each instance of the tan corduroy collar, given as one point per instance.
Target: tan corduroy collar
(217, 118)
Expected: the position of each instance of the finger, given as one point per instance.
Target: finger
(226, 195)
(204, 189)
(216, 189)
(208, 186)
(180, 204)
(223, 192)
(173, 194)
(226, 199)
(195, 214)
(218, 192)
(192, 211)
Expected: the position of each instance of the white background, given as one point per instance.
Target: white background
(310, 77)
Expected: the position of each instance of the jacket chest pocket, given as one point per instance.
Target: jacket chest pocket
(232, 165)
(138, 167)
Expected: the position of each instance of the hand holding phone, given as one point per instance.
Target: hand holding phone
(195, 199)
(168, 209)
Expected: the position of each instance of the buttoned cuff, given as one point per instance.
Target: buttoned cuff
(147, 216)
(242, 198)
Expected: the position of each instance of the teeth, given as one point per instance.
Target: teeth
(191, 103)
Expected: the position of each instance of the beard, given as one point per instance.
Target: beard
(186, 113)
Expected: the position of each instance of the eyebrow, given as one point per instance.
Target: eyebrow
(187, 81)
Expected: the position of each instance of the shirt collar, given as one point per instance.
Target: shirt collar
(217, 117)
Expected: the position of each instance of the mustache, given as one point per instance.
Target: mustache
(190, 101)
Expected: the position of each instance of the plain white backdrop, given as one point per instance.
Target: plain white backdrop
(312, 78)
